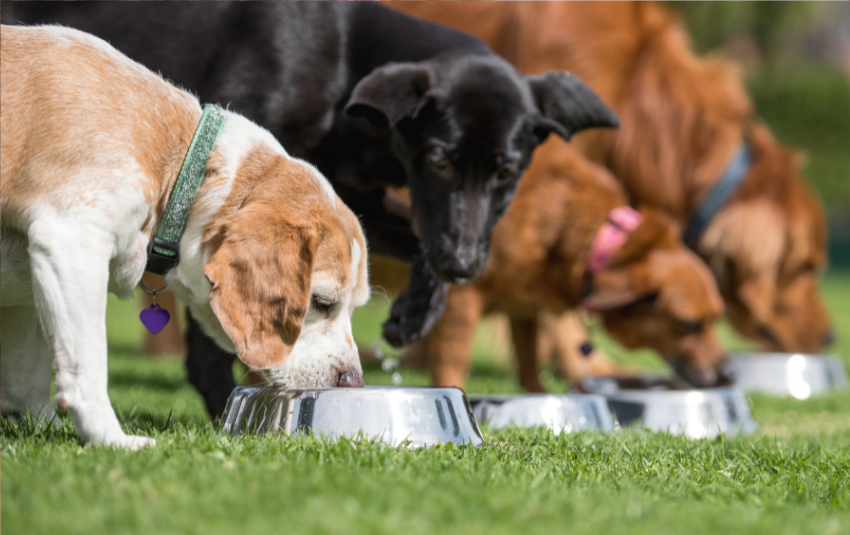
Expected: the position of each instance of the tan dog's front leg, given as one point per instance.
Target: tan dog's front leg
(70, 263)
(450, 342)
(524, 334)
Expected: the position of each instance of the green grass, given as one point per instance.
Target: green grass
(792, 477)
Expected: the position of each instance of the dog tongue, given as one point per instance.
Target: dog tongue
(154, 318)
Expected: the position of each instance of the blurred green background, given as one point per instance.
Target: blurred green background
(796, 57)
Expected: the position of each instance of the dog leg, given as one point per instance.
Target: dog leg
(26, 366)
(70, 265)
(417, 308)
(450, 343)
(568, 334)
(524, 333)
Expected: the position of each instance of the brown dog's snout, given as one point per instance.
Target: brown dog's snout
(828, 339)
(703, 376)
(725, 373)
(350, 379)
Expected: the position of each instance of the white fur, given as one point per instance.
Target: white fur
(59, 263)
(326, 346)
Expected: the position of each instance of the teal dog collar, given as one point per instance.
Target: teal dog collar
(163, 251)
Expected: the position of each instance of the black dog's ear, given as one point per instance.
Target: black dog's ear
(390, 93)
(568, 105)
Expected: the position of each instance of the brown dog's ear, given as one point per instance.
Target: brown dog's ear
(261, 290)
(758, 294)
(568, 105)
(615, 288)
(390, 93)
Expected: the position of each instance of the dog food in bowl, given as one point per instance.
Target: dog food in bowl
(417, 416)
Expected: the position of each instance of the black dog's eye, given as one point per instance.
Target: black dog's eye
(322, 304)
(437, 159)
(691, 326)
(505, 173)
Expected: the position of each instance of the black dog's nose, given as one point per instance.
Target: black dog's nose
(350, 380)
(828, 339)
(453, 269)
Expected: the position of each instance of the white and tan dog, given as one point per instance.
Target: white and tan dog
(272, 263)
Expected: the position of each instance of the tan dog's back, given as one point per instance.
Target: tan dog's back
(100, 103)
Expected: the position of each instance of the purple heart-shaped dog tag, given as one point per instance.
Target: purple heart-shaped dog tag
(154, 318)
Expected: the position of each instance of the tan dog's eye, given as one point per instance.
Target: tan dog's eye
(322, 304)
(691, 326)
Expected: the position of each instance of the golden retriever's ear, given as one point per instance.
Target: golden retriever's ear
(261, 289)
(619, 287)
(758, 294)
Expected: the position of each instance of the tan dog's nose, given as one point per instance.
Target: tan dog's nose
(350, 379)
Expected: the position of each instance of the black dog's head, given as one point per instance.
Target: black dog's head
(465, 128)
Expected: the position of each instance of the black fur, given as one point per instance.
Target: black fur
(373, 98)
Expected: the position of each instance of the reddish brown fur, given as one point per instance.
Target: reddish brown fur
(538, 259)
(681, 118)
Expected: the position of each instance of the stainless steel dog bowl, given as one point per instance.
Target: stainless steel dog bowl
(420, 416)
(789, 374)
(565, 412)
(668, 404)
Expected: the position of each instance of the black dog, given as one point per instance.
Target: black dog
(373, 98)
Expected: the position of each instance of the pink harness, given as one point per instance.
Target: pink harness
(621, 222)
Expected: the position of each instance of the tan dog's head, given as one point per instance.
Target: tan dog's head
(284, 263)
(768, 249)
(657, 294)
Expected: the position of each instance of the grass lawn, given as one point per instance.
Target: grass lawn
(792, 477)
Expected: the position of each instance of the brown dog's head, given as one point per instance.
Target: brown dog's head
(283, 262)
(768, 248)
(657, 294)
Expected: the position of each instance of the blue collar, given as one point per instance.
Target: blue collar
(716, 199)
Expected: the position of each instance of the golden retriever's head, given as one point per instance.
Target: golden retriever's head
(768, 249)
(657, 294)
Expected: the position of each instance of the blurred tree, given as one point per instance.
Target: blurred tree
(774, 27)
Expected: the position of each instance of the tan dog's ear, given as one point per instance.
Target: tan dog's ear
(261, 290)
(617, 287)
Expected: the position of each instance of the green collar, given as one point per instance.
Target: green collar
(163, 250)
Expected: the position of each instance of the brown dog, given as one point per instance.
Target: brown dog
(682, 118)
(650, 290)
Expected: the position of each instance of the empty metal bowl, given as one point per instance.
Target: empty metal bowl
(668, 404)
(789, 374)
(564, 412)
(420, 416)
